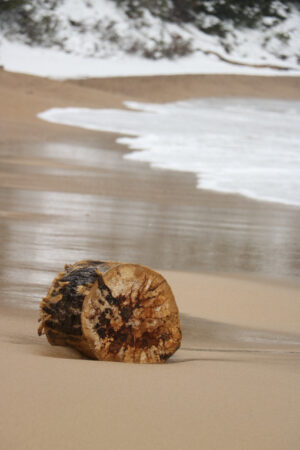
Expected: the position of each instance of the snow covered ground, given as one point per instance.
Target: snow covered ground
(95, 38)
(56, 64)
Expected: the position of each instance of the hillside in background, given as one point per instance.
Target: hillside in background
(248, 32)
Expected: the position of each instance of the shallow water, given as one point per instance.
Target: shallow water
(61, 203)
(244, 146)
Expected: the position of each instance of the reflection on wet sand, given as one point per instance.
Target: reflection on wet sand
(61, 203)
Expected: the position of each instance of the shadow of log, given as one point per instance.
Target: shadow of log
(203, 340)
(202, 335)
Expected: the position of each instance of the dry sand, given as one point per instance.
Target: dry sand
(233, 385)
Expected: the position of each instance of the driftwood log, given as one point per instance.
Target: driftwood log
(112, 311)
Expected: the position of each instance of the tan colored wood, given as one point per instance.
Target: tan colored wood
(112, 311)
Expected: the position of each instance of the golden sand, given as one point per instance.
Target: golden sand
(233, 385)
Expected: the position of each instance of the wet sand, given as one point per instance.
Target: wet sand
(66, 194)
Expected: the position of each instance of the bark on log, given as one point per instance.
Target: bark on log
(112, 311)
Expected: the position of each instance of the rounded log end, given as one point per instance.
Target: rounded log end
(130, 315)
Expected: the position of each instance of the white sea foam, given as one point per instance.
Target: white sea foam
(245, 146)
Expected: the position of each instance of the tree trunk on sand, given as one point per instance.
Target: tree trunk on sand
(112, 311)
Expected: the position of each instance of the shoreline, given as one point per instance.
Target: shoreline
(143, 126)
(37, 159)
(67, 194)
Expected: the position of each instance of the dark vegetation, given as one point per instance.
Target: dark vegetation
(19, 18)
(213, 17)
(6, 5)
(242, 13)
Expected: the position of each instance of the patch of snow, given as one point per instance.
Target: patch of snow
(97, 38)
(56, 64)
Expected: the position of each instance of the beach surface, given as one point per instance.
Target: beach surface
(234, 384)
(67, 194)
